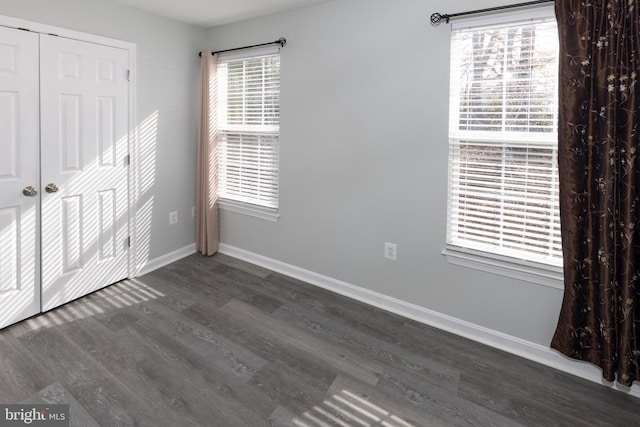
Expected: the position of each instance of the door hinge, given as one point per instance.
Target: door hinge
(129, 241)
(128, 75)
(128, 160)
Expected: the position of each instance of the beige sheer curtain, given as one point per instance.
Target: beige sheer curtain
(207, 237)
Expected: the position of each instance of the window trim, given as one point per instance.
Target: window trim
(530, 271)
(250, 209)
(543, 11)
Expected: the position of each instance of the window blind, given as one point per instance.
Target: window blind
(503, 181)
(248, 127)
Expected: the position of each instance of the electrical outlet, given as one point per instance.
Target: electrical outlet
(173, 217)
(390, 251)
(193, 212)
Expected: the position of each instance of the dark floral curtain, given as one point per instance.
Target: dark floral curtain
(600, 184)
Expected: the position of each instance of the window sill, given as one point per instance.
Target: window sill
(538, 273)
(256, 211)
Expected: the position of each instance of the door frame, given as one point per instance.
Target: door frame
(7, 21)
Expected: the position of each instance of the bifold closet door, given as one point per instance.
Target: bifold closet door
(84, 148)
(19, 181)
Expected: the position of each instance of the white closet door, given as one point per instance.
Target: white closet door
(84, 145)
(19, 124)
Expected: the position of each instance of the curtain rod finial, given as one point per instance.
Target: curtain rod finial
(437, 18)
(282, 41)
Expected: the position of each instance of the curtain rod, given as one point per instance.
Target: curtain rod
(437, 18)
(281, 41)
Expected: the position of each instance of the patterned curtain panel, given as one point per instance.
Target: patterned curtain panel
(600, 184)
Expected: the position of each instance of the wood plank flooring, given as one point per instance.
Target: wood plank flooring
(219, 342)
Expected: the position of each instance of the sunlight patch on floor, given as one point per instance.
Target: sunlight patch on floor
(347, 409)
(117, 296)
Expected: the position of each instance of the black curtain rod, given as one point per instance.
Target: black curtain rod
(437, 18)
(281, 41)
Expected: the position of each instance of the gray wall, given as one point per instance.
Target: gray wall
(364, 151)
(167, 76)
(363, 148)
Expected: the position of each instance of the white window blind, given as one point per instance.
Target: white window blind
(249, 126)
(503, 181)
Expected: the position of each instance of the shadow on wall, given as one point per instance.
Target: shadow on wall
(147, 135)
(77, 245)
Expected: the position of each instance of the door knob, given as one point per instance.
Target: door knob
(30, 191)
(51, 188)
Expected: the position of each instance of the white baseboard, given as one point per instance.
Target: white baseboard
(490, 337)
(167, 259)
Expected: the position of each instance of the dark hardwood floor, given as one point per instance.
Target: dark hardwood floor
(219, 342)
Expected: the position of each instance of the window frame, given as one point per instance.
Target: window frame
(546, 274)
(250, 208)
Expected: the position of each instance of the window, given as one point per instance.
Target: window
(503, 177)
(248, 112)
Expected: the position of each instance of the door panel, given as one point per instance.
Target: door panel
(70, 125)
(9, 132)
(19, 124)
(84, 147)
(9, 231)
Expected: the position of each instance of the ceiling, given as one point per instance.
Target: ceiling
(210, 13)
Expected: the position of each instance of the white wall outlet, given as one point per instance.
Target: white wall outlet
(390, 251)
(173, 217)
(193, 212)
